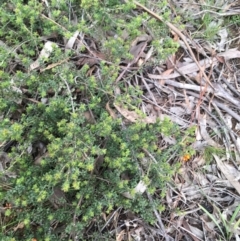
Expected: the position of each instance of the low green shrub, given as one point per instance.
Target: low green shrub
(68, 159)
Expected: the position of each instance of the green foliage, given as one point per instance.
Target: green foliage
(210, 150)
(84, 158)
(227, 228)
(207, 21)
(232, 21)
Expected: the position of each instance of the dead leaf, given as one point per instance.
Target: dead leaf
(233, 171)
(51, 66)
(220, 91)
(57, 198)
(230, 54)
(200, 178)
(198, 234)
(142, 38)
(198, 144)
(149, 54)
(110, 111)
(140, 62)
(44, 54)
(186, 69)
(223, 34)
(16, 89)
(125, 34)
(91, 70)
(189, 103)
(167, 72)
(104, 216)
(227, 173)
(39, 158)
(203, 130)
(87, 60)
(138, 231)
(120, 236)
(175, 36)
(72, 40)
(89, 117)
(171, 61)
(140, 189)
(136, 50)
(19, 226)
(169, 139)
(179, 111)
(132, 116)
(210, 225)
(198, 162)
(228, 119)
(4, 161)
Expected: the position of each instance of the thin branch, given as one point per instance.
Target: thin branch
(69, 91)
(162, 231)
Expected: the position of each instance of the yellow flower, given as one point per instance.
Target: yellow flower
(186, 157)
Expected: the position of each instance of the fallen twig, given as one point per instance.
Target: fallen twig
(163, 231)
(234, 12)
(218, 91)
